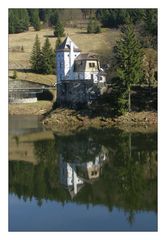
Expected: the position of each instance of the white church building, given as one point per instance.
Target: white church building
(74, 65)
(80, 79)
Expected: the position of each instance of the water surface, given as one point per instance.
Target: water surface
(94, 180)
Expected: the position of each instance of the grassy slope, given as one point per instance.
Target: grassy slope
(86, 42)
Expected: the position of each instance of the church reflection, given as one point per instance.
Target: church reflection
(74, 175)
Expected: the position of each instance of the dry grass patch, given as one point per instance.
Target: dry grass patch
(38, 108)
(93, 42)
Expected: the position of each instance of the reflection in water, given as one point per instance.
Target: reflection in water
(99, 167)
(73, 175)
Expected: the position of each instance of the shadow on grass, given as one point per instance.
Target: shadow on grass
(24, 70)
(49, 36)
(82, 32)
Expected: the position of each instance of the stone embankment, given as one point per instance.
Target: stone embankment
(65, 120)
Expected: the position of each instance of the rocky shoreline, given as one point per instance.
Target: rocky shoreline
(67, 120)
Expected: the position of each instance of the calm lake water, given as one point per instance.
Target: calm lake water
(94, 180)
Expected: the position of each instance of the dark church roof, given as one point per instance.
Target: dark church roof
(65, 46)
(86, 56)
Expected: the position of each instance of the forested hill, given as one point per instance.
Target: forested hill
(145, 20)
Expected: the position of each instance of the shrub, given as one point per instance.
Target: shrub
(14, 74)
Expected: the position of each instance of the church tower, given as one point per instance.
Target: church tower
(65, 56)
(80, 80)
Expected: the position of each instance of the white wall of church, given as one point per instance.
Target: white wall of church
(65, 65)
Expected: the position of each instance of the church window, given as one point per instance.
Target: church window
(74, 69)
(92, 64)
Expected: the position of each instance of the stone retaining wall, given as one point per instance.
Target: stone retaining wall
(23, 100)
(73, 93)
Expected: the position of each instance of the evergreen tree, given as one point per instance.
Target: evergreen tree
(148, 33)
(12, 21)
(36, 23)
(42, 14)
(116, 17)
(54, 17)
(129, 60)
(59, 30)
(36, 55)
(58, 43)
(136, 15)
(45, 14)
(112, 17)
(47, 58)
(18, 20)
(34, 18)
(151, 21)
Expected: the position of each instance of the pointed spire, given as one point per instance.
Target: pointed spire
(65, 46)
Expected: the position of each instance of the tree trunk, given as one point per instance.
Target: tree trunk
(129, 99)
(130, 145)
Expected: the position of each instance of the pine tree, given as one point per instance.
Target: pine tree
(129, 58)
(36, 55)
(18, 20)
(149, 30)
(54, 17)
(151, 21)
(12, 21)
(59, 30)
(58, 42)
(47, 58)
(34, 18)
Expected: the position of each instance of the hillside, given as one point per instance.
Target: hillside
(20, 47)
